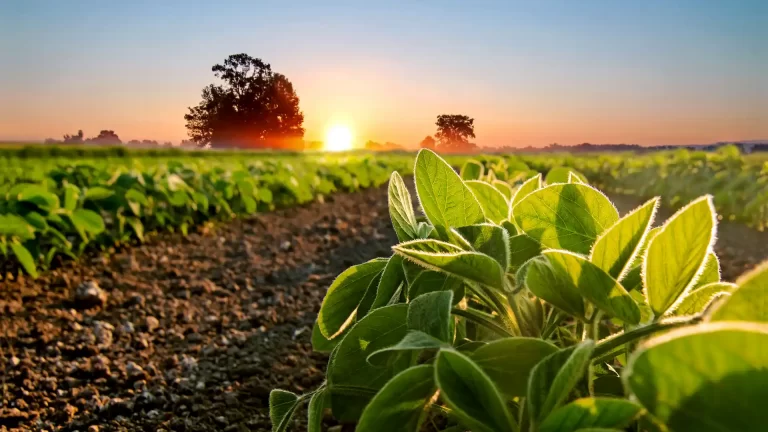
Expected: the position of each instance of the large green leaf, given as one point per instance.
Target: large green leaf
(565, 216)
(699, 298)
(711, 272)
(353, 381)
(493, 203)
(521, 249)
(392, 278)
(749, 302)
(617, 247)
(401, 209)
(16, 226)
(414, 340)
(676, 255)
(88, 221)
(401, 404)
(344, 295)
(530, 185)
(71, 195)
(489, 239)
(592, 413)
(593, 284)
(471, 170)
(712, 377)
(430, 281)
(562, 175)
(470, 394)
(97, 193)
(282, 405)
(317, 404)
(444, 257)
(554, 377)
(25, 258)
(545, 282)
(504, 188)
(431, 314)
(37, 195)
(446, 200)
(509, 361)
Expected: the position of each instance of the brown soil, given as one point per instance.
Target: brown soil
(197, 330)
(213, 321)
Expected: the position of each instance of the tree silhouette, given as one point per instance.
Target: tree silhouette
(106, 137)
(254, 108)
(74, 139)
(454, 131)
(428, 143)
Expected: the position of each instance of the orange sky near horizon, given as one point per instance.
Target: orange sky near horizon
(529, 74)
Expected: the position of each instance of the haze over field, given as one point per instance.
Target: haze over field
(653, 72)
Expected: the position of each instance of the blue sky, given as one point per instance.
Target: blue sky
(530, 72)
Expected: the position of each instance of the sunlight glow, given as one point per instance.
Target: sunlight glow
(338, 138)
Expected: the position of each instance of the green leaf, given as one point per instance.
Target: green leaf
(446, 200)
(699, 298)
(444, 257)
(431, 314)
(87, 221)
(36, 220)
(25, 258)
(491, 240)
(508, 362)
(402, 403)
(565, 216)
(401, 209)
(544, 282)
(137, 227)
(521, 249)
(711, 272)
(593, 284)
(712, 377)
(368, 298)
(71, 194)
(530, 185)
(562, 175)
(470, 394)
(615, 250)
(317, 405)
(675, 257)
(97, 193)
(320, 343)
(414, 340)
(504, 188)
(352, 381)
(431, 281)
(494, 205)
(749, 302)
(392, 278)
(37, 195)
(592, 413)
(344, 295)
(282, 405)
(554, 377)
(471, 170)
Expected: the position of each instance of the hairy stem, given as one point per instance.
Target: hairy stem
(620, 339)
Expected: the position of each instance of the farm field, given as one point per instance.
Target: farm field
(190, 329)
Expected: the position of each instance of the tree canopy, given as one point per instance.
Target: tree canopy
(454, 132)
(254, 107)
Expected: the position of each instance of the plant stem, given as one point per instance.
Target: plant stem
(620, 339)
(478, 319)
(552, 324)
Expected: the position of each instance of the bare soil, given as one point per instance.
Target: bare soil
(195, 331)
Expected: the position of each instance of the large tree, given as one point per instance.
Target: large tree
(254, 107)
(454, 132)
(428, 143)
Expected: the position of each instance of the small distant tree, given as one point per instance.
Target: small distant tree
(253, 108)
(428, 143)
(454, 132)
(106, 137)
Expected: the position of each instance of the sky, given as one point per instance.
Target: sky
(529, 72)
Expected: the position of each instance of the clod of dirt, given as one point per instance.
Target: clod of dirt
(88, 295)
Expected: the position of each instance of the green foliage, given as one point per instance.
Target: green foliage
(55, 208)
(556, 318)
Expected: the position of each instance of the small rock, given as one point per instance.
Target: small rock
(88, 295)
(222, 420)
(134, 371)
(136, 299)
(127, 328)
(15, 361)
(103, 333)
(93, 428)
(151, 323)
(286, 245)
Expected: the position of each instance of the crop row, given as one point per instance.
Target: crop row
(57, 208)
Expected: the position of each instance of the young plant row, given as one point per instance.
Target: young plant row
(70, 208)
(737, 183)
(535, 306)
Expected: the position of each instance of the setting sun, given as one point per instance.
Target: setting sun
(338, 138)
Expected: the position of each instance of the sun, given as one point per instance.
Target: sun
(338, 138)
